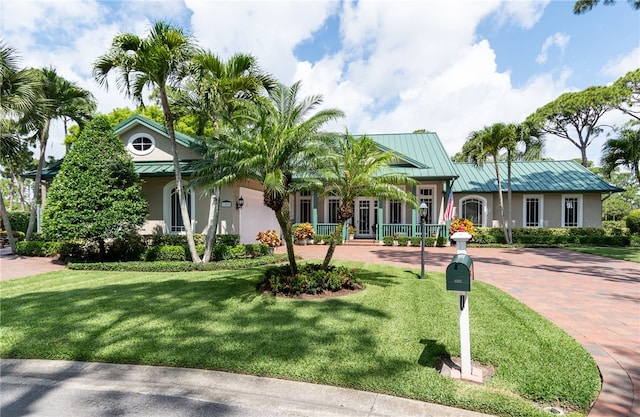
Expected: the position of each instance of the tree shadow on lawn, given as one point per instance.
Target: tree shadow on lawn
(220, 323)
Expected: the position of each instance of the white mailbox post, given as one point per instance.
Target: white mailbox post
(461, 239)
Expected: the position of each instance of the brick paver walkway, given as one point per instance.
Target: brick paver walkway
(15, 266)
(594, 299)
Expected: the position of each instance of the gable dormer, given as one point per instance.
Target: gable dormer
(147, 140)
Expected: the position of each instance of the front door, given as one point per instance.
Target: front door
(364, 217)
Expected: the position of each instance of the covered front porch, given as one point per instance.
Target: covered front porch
(410, 230)
(375, 218)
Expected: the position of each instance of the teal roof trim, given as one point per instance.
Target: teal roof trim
(423, 151)
(136, 119)
(162, 168)
(531, 177)
(142, 168)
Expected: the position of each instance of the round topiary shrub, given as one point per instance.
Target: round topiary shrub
(633, 221)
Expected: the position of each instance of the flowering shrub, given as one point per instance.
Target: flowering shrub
(310, 279)
(304, 231)
(269, 238)
(462, 225)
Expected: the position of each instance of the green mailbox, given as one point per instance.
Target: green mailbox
(460, 273)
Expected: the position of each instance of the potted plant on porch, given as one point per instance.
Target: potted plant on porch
(303, 232)
(351, 230)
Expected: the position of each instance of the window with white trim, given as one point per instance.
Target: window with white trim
(426, 195)
(395, 212)
(171, 207)
(304, 205)
(474, 208)
(571, 211)
(141, 144)
(333, 204)
(532, 210)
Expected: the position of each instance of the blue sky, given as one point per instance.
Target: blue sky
(449, 66)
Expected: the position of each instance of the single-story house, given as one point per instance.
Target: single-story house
(545, 193)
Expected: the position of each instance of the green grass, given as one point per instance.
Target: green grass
(383, 339)
(629, 253)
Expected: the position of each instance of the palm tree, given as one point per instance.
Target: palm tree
(18, 94)
(531, 137)
(212, 95)
(622, 151)
(157, 61)
(488, 144)
(272, 141)
(58, 98)
(357, 168)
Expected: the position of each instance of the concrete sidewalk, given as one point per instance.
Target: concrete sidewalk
(80, 389)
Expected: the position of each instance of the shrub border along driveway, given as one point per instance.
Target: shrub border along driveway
(592, 298)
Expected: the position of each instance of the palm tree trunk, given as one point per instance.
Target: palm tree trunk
(44, 135)
(212, 224)
(184, 211)
(509, 206)
(332, 246)
(12, 191)
(21, 188)
(501, 202)
(284, 220)
(7, 224)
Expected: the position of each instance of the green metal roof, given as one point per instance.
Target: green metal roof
(137, 119)
(422, 154)
(162, 168)
(529, 177)
(143, 168)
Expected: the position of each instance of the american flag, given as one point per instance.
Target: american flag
(448, 213)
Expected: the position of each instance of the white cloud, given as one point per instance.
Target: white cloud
(403, 65)
(525, 13)
(406, 68)
(268, 30)
(560, 40)
(618, 67)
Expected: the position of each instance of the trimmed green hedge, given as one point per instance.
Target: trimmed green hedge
(134, 249)
(166, 266)
(19, 220)
(556, 236)
(37, 248)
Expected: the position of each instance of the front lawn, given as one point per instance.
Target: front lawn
(384, 339)
(628, 253)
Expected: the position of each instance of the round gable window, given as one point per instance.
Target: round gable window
(141, 144)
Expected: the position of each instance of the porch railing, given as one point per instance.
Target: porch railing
(325, 228)
(414, 230)
(431, 230)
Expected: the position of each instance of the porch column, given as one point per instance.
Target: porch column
(314, 216)
(414, 212)
(380, 219)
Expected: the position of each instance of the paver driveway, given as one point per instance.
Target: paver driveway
(594, 299)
